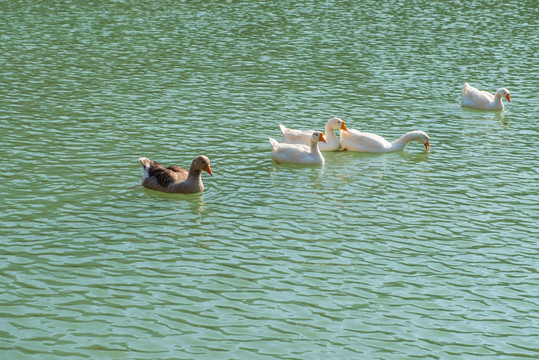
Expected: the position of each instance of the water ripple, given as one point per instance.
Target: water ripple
(380, 256)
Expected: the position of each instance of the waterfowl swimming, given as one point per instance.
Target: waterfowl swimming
(174, 179)
(298, 153)
(355, 140)
(482, 100)
(304, 136)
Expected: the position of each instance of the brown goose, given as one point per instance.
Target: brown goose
(174, 179)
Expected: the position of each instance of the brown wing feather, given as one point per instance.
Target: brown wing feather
(178, 169)
(166, 176)
(163, 177)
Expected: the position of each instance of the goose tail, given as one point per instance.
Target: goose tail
(146, 163)
(273, 142)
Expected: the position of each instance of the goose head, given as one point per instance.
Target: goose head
(202, 163)
(338, 124)
(316, 137)
(424, 139)
(419, 136)
(503, 92)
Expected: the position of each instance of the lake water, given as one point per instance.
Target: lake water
(371, 256)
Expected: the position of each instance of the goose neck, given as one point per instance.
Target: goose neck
(329, 133)
(401, 142)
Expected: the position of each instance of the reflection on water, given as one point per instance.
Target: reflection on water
(417, 157)
(195, 201)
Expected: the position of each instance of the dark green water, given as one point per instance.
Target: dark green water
(372, 256)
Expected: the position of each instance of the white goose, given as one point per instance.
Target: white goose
(304, 136)
(298, 153)
(482, 100)
(355, 140)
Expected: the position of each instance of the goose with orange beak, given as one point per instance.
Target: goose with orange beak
(291, 136)
(175, 179)
(355, 140)
(298, 153)
(482, 100)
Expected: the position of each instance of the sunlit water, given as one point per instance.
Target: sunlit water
(393, 256)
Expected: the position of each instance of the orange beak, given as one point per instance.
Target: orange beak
(427, 145)
(343, 127)
(322, 138)
(508, 98)
(208, 170)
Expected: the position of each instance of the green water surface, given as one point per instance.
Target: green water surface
(407, 255)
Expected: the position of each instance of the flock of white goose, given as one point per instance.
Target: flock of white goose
(305, 146)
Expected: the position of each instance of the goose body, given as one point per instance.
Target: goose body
(482, 100)
(174, 179)
(291, 136)
(354, 140)
(298, 153)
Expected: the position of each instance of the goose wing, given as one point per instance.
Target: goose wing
(475, 96)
